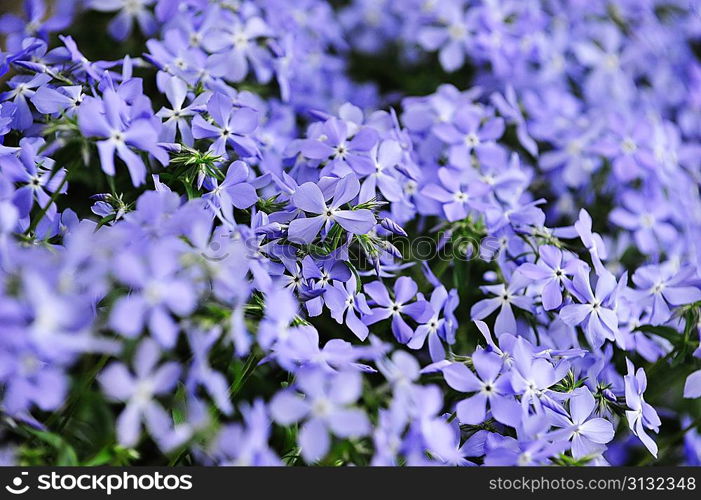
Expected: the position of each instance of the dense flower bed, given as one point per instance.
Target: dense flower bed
(366, 232)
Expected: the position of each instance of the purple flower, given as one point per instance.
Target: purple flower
(591, 240)
(604, 56)
(138, 390)
(429, 430)
(387, 436)
(304, 350)
(324, 408)
(386, 156)
(597, 310)
(572, 151)
(236, 44)
(50, 101)
(405, 289)
(488, 385)
(345, 303)
(38, 21)
(455, 456)
(588, 435)
(111, 119)
(175, 118)
(505, 297)
(470, 129)
(345, 146)
(533, 445)
(533, 377)
(7, 114)
(663, 286)
(452, 38)
(292, 181)
(90, 69)
(692, 386)
(322, 273)
(437, 327)
(510, 109)
(234, 190)
(156, 291)
(647, 216)
(628, 145)
(35, 175)
(201, 373)
(551, 272)
(515, 215)
(458, 193)
(28, 377)
(641, 414)
(129, 11)
(246, 444)
(309, 197)
(23, 88)
(231, 126)
(692, 444)
(280, 310)
(401, 370)
(175, 56)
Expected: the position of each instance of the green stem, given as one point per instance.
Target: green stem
(248, 370)
(71, 404)
(32, 227)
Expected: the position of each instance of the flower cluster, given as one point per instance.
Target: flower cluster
(219, 244)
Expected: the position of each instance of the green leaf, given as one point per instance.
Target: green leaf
(103, 457)
(65, 454)
(674, 336)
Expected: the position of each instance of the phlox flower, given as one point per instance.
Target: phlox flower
(309, 198)
(324, 410)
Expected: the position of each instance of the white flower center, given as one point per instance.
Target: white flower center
(30, 364)
(488, 388)
(524, 458)
(460, 197)
(195, 39)
(574, 147)
(457, 31)
(471, 140)
(133, 6)
(143, 392)
(647, 220)
(628, 146)
(611, 61)
(117, 136)
(153, 293)
(240, 40)
(329, 213)
(321, 407)
(340, 151)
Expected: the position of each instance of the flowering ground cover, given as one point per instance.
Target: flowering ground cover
(365, 232)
